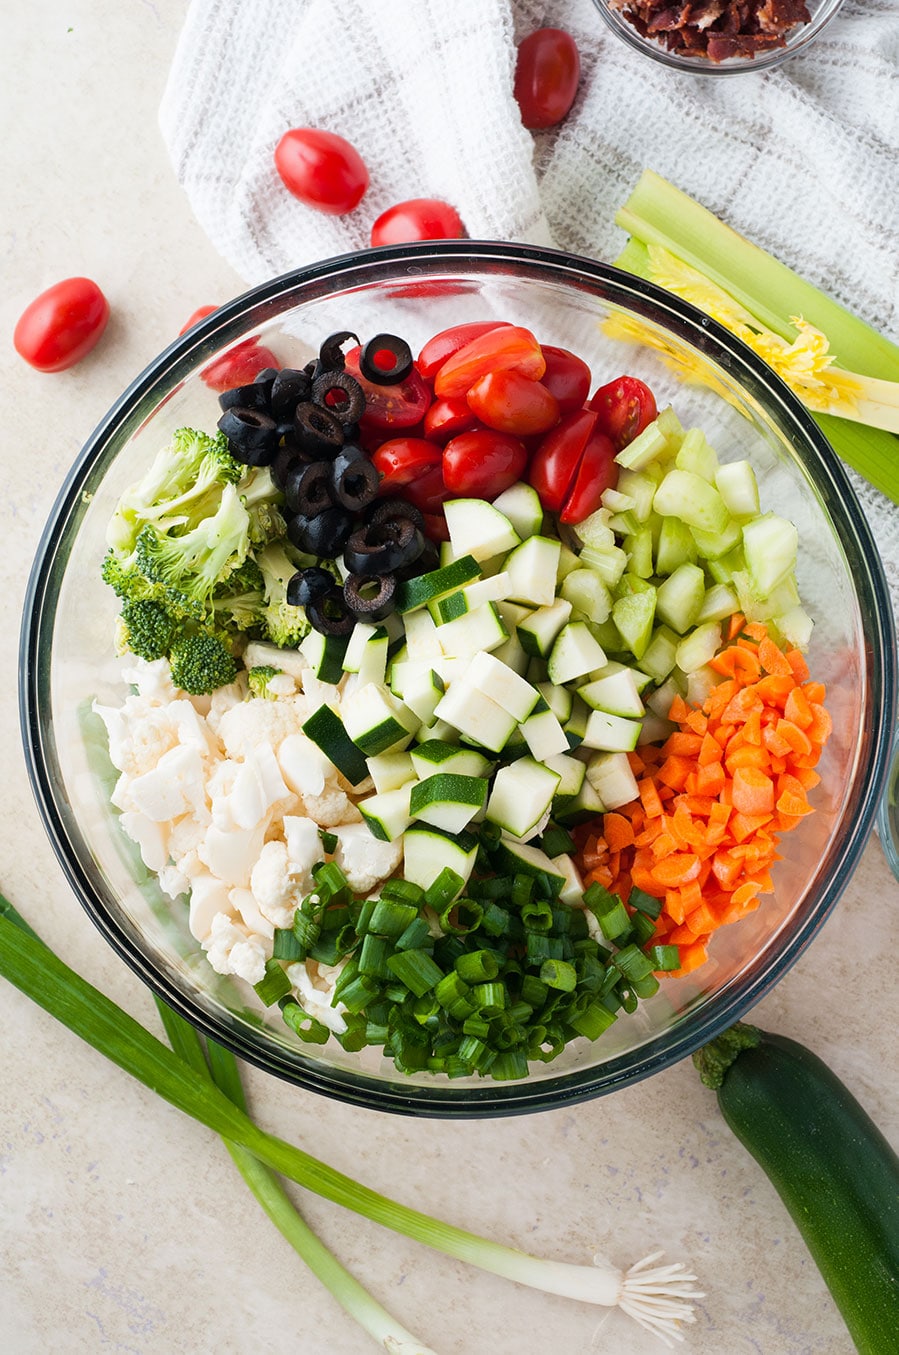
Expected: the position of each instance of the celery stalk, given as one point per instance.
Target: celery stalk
(658, 214)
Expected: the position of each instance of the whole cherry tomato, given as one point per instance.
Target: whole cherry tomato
(547, 71)
(62, 325)
(554, 464)
(483, 463)
(510, 403)
(625, 407)
(567, 376)
(446, 418)
(322, 169)
(449, 341)
(596, 473)
(402, 461)
(510, 346)
(400, 405)
(417, 219)
(199, 314)
(239, 366)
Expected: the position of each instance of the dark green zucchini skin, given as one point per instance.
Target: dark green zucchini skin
(834, 1171)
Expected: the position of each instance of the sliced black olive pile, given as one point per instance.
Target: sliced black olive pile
(304, 425)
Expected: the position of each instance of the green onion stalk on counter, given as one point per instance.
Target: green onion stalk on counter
(816, 346)
(660, 1298)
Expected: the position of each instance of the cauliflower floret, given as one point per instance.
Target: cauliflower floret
(303, 765)
(186, 835)
(260, 655)
(151, 837)
(175, 785)
(209, 901)
(152, 678)
(364, 859)
(257, 721)
(231, 949)
(315, 997)
(172, 881)
(332, 807)
(258, 787)
(282, 877)
(224, 699)
(231, 853)
(243, 902)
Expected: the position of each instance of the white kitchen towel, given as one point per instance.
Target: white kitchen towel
(803, 159)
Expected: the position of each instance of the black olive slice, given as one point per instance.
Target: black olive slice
(341, 395)
(252, 435)
(354, 480)
(382, 510)
(285, 460)
(325, 535)
(289, 388)
(372, 364)
(330, 615)
(384, 547)
(248, 397)
(317, 430)
(370, 597)
(330, 355)
(308, 488)
(422, 564)
(308, 584)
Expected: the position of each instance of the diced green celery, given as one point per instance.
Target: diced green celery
(645, 448)
(609, 562)
(631, 583)
(684, 495)
(670, 425)
(720, 601)
(738, 487)
(633, 615)
(696, 649)
(696, 455)
(569, 561)
(641, 488)
(680, 597)
(675, 546)
(660, 655)
(616, 502)
(639, 549)
(796, 627)
(712, 545)
(624, 524)
(770, 544)
(595, 530)
(586, 592)
(723, 570)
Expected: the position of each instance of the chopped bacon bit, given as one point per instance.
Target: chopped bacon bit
(716, 29)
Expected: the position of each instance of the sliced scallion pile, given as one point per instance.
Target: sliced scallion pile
(660, 1298)
(819, 349)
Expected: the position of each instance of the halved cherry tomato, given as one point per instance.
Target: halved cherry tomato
(449, 341)
(401, 461)
(596, 473)
(62, 325)
(199, 314)
(510, 346)
(390, 407)
(547, 71)
(511, 403)
(483, 463)
(625, 407)
(567, 376)
(322, 169)
(417, 219)
(554, 464)
(428, 492)
(239, 366)
(446, 418)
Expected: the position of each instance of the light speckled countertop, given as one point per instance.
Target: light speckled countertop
(123, 1227)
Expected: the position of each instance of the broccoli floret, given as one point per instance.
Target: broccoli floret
(284, 624)
(148, 628)
(240, 600)
(259, 678)
(182, 487)
(201, 663)
(128, 583)
(196, 561)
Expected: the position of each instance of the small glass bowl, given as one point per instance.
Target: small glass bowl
(797, 40)
(618, 323)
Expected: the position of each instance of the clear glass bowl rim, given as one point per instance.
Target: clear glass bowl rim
(404, 264)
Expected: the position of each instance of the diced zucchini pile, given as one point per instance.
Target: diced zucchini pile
(513, 680)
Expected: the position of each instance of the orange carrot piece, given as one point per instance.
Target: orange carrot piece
(797, 709)
(773, 659)
(753, 791)
(819, 731)
(735, 625)
(677, 869)
(649, 798)
(679, 710)
(798, 665)
(691, 957)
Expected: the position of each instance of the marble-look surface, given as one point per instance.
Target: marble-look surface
(123, 1227)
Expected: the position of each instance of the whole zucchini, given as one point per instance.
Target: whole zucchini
(831, 1166)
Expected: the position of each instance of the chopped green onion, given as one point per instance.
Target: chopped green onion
(559, 974)
(306, 1027)
(614, 920)
(476, 966)
(404, 891)
(328, 840)
(461, 917)
(557, 841)
(286, 945)
(444, 889)
(632, 962)
(373, 956)
(644, 903)
(415, 936)
(274, 985)
(664, 958)
(390, 918)
(537, 915)
(415, 969)
(522, 890)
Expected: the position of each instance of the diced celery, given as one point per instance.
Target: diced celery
(639, 548)
(687, 496)
(670, 425)
(695, 455)
(646, 447)
(680, 597)
(720, 601)
(696, 649)
(796, 627)
(770, 544)
(675, 546)
(712, 545)
(660, 655)
(595, 530)
(609, 562)
(738, 487)
(586, 592)
(640, 488)
(633, 615)
(723, 570)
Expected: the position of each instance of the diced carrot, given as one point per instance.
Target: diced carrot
(674, 772)
(814, 691)
(745, 755)
(773, 659)
(798, 665)
(618, 831)
(797, 708)
(756, 631)
(680, 744)
(691, 957)
(679, 710)
(742, 826)
(649, 798)
(753, 791)
(677, 869)
(735, 625)
(698, 721)
(820, 729)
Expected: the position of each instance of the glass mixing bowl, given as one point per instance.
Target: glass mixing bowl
(799, 39)
(618, 323)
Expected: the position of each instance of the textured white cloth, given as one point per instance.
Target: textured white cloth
(803, 159)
